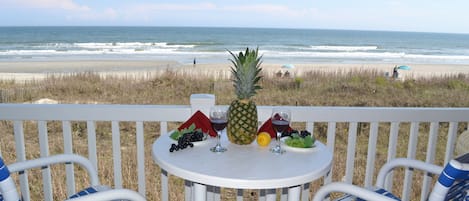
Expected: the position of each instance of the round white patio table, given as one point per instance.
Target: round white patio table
(243, 166)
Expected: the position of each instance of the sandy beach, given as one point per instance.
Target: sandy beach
(141, 69)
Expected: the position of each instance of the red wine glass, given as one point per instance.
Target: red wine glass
(280, 122)
(219, 120)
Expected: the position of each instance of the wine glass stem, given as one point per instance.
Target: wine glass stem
(279, 135)
(218, 138)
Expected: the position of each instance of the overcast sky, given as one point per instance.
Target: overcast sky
(394, 15)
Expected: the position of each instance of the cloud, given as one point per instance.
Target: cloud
(152, 11)
(108, 14)
(172, 7)
(50, 4)
(254, 8)
(263, 8)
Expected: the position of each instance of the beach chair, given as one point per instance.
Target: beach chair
(8, 190)
(452, 184)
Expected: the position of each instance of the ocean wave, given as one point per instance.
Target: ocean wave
(156, 51)
(132, 45)
(365, 55)
(268, 53)
(342, 48)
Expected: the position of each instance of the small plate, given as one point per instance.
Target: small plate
(299, 149)
(206, 136)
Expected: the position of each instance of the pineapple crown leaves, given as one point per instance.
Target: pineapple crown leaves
(245, 70)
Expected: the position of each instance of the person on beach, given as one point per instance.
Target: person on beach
(194, 61)
(395, 73)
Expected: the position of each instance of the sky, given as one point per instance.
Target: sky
(390, 15)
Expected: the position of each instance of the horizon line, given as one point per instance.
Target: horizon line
(239, 27)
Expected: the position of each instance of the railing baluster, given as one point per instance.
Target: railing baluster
(411, 149)
(331, 128)
(21, 156)
(163, 127)
(92, 153)
(305, 189)
(141, 158)
(310, 127)
(68, 144)
(116, 153)
(370, 159)
(352, 138)
(431, 149)
(44, 149)
(452, 135)
(164, 185)
(393, 136)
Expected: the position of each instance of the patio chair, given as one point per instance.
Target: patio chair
(452, 184)
(96, 192)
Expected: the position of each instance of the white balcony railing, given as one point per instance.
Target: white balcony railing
(427, 133)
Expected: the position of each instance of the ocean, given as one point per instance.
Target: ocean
(211, 45)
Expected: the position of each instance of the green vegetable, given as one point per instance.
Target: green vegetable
(308, 141)
(296, 141)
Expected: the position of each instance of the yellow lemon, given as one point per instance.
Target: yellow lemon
(263, 139)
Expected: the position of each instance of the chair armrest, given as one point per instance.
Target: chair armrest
(57, 159)
(350, 189)
(113, 194)
(405, 162)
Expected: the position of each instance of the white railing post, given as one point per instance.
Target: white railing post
(202, 102)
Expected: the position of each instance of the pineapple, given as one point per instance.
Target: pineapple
(242, 116)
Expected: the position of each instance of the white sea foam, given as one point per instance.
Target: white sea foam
(367, 55)
(131, 45)
(343, 48)
(267, 54)
(186, 52)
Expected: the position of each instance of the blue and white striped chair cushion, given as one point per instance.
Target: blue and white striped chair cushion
(90, 190)
(457, 191)
(84, 192)
(375, 189)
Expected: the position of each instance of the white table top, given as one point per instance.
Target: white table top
(242, 166)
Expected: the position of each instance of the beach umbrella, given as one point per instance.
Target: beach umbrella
(404, 67)
(290, 66)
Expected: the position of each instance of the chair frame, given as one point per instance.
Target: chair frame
(111, 194)
(368, 194)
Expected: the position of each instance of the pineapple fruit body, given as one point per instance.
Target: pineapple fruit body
(242, 114)
(242, 123)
